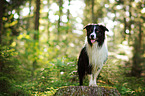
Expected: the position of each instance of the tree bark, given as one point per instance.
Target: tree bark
(130, 21)
(48, 4)
(59, 20)
(1, 15)
(1, 24)
(37, 16)
(86, 91)
(68, 17)
(125, 24)
(93, 19)
(28, 19)
(137, 53)
(36, 35)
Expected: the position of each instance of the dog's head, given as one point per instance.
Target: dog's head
(95, 33)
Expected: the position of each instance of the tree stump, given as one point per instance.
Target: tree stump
(86, 91)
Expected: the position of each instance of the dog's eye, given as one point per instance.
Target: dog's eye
(91, 30)
(97, 31)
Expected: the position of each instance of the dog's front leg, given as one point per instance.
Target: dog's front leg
(90, 77)
(92, 80)
(96, 74)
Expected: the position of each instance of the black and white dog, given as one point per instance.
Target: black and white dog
(93, 54)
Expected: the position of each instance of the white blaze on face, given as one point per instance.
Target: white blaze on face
(94, 35)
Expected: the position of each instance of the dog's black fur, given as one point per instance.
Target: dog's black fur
(100, 34)
(84, 66)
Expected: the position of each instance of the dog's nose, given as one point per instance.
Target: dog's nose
(92, 36)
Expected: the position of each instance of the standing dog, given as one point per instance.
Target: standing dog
(93, 54)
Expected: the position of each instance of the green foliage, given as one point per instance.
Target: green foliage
(10, 72)
(134, 87)
(40, 67)
(60, 72)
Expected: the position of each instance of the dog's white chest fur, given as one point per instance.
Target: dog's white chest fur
(97, 55)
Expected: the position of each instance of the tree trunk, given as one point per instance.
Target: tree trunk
(59, 20)
(137, 60)
(138, 52)
(68, 17)
(48, 20)
(28, 19)
(37, 16)
(93, 19)
(68, 30)
(1, 24)
(130, 21)
(36, 35)
(86, 91)
(1, 15)
(125, 24)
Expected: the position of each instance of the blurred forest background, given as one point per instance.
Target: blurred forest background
(40, 41)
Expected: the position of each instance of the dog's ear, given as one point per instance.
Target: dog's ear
(103, 28)
(87, 27)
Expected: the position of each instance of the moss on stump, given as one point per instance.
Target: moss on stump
(86, 91)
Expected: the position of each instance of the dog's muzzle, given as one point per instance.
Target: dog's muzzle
(93, 38)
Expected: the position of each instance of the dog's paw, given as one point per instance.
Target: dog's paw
(95, 85)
